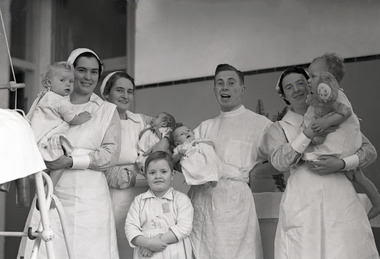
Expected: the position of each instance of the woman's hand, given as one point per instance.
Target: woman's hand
(60, 163)
(163, 145)
(327, 165)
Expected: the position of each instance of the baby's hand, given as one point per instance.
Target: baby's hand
(319, 125)
(195, 142)
(156, 244)
(309, 99)
(182, 151)
(84, 116)
(212, 183)
(145, 252)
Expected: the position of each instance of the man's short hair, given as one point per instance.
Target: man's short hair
(228, 67)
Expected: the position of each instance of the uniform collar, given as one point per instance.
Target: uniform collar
(233, 113)
(168, 195)
(132, 116)
(293, 118)
(96, 99)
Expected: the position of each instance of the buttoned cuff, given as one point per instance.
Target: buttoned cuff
(351, 162)
(300, 143)
(81, 162)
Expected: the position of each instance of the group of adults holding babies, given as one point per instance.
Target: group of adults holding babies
(320, 214)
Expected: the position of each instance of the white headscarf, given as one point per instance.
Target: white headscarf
(76, 52)
(105, 80)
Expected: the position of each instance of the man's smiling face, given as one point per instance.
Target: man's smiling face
(228, 90)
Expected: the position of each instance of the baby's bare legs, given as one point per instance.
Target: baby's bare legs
(369, 189)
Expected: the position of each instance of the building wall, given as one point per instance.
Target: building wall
(178, 39)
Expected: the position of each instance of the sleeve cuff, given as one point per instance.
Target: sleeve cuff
(300, 143)
(176, 233)
(81, 162)
(131, 237)
(351, 162)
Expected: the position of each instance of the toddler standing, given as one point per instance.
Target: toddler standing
(159, 221)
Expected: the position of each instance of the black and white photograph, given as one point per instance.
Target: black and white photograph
(189, 129)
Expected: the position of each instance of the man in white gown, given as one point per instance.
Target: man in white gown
(225, 221)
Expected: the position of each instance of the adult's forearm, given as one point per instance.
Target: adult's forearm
(108, 154)
(169, 237)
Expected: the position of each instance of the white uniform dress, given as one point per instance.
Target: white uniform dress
(320, 215)
(19, 154)
(84, 192)
(150, 215)
(123, 198)
(200, 164)
(225, 222)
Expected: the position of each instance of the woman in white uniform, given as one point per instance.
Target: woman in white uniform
(320, 215)
(124, 181)
(83, 189)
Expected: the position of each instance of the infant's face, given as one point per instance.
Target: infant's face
(159, 120)
(62, 82)
(315, 69)
(182, 134)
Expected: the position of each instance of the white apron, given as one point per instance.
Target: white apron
(321, 217)
(122, 199)
(226, 210)
(84, 195)
(225, 224)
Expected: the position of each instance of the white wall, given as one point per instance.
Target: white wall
(178, 39)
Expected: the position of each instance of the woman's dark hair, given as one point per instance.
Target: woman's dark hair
(288, 71)
(114, 78)
(90, 55)
(159, 155)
